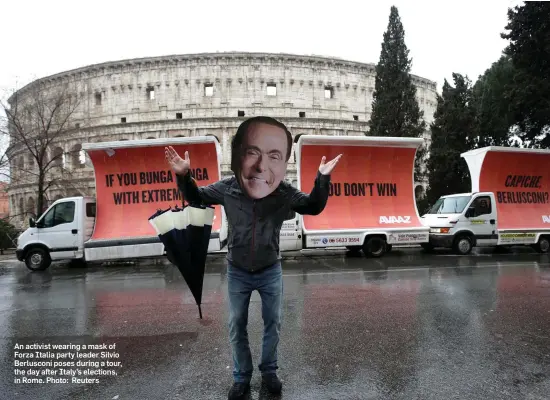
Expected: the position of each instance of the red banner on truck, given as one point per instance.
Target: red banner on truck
(371, 187)
(133, 182)
(520, 181)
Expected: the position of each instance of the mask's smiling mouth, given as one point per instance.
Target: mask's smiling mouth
(256, 179)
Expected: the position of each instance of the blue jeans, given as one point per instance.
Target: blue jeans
(241, 284)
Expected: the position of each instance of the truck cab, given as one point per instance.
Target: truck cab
(462, 221)
(58, 234)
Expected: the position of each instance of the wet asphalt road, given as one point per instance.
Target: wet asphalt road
(408, 326)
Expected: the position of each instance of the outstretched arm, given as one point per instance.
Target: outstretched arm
(209, 195)
(315, 202)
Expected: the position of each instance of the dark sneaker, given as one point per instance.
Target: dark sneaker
(272, 383)
(239, 391)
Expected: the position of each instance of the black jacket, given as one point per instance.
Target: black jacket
(255, 225)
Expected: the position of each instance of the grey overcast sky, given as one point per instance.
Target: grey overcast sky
(46, 37)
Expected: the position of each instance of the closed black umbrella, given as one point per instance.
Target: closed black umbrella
(185, 233)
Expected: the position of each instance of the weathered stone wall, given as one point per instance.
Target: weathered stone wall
(193, 95)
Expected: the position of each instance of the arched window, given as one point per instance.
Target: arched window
(78, 157)
(58, 158)
(30, 161)
(31, 207)
(21, 210)
(20, 166)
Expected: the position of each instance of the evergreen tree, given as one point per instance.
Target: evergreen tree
(453, 132)
(8, 233)
(491, 99)
(395, 110)
(529, 49)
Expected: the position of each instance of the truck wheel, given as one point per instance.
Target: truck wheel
(37, 259)
(388, 248)
(374, 246)
(543, 246)
(463, 245)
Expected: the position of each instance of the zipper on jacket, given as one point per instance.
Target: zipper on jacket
(253, 232)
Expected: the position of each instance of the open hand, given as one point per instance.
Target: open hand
(327, 168)
(178, 164)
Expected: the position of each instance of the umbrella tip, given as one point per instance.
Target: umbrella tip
(200, 311)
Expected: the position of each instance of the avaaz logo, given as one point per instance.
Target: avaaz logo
(392, 219)
(546, 219)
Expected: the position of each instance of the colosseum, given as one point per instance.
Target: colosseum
(203, 94)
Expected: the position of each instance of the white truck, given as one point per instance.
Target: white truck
(371, 205)
(509, 204)
(132, 181)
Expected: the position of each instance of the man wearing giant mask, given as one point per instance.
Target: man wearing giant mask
(257, 201)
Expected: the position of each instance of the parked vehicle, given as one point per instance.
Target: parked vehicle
(509, 205)
(371, 205)
(132, 181)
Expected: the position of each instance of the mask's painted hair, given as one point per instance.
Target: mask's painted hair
(238, 139)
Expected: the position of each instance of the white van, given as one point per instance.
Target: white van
(114, 225)
(59, 234)
(509, 204)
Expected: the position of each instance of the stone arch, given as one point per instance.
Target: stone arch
(20, 165)
(31, 207)
(172, 133)
(13, 168)
(21, 210)
(77, 156)
(58, 157)
(30, 161)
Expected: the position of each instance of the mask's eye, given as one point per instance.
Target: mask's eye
(252, 153)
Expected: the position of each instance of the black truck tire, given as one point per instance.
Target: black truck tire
(463, 245)
(375, 246)
(37, 259)
(543, 245)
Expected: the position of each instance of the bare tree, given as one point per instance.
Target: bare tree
(38, 119)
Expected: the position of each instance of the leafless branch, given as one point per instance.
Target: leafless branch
(36, 120)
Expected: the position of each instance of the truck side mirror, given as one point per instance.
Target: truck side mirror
(32, 224)
(471, 212)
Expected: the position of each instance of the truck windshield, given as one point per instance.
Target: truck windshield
(450, 205)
